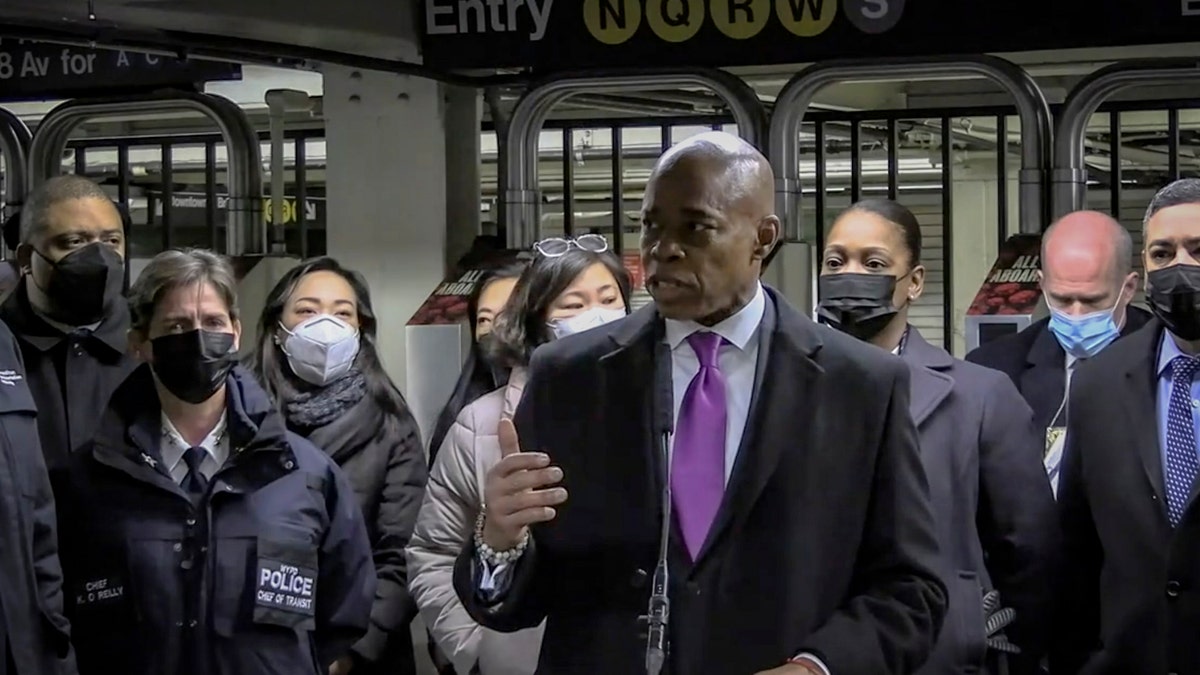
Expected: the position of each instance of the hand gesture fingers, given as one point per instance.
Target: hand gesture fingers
(509, 443)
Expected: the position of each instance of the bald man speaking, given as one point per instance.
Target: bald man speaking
(1088, 281)
(800, 539)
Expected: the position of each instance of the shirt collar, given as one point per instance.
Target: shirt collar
(43, 334)
(1167, 351)
(737, 329)
(175, 445)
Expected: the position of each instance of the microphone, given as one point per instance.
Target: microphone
(659, 610)
(664, 393)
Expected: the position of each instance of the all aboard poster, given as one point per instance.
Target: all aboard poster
(1012, 286)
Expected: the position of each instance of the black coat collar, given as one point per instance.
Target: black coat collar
(112, 333)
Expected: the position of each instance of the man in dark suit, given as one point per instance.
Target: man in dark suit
(802, 541)
(1088, 280)
(1131, 531)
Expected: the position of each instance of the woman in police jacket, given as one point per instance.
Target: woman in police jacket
(199, 536)
(316, 356)
(982, 454)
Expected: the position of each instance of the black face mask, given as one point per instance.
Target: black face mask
(193, 365)
(485, 352)
(857, 304)
(1174, 296)
(83, 284)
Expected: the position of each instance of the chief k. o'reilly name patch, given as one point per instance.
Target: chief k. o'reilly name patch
(99, 591)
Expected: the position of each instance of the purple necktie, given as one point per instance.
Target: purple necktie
(698, 457)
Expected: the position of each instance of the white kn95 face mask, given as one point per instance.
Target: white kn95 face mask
(321, 349)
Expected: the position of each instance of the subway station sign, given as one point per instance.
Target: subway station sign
(549, 35)
(34, 70)
(188, 209)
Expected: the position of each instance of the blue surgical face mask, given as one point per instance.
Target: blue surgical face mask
(1084, 336)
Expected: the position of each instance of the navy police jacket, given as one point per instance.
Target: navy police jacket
(32, 623)
(270, 574)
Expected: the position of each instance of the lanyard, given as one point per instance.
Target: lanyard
(903, 342)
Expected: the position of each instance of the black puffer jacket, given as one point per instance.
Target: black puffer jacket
(386, 465)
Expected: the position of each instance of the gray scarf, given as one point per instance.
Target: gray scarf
(314, 407)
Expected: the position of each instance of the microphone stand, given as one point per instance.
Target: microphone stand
(659, 611)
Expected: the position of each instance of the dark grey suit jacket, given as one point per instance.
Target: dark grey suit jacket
(996, 518)
(825, 541)
(1036, 363)
(1130, 589)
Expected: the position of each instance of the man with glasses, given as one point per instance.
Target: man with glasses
(802, 540)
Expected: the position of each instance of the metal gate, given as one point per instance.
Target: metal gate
(1113, 156)
(174, 187)
(245, 233)
(522, 199)
(15, 140)
(791, 107)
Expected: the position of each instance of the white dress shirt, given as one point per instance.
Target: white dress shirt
(215, 444)
(737, 361)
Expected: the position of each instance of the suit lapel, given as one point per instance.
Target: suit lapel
(1044, 381)
(1139, 404)
(784, 375)
(930, 384)
(628, 410)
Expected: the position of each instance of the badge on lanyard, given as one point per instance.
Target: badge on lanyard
(1052, 436)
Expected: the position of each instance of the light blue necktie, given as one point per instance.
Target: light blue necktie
(1182, 464)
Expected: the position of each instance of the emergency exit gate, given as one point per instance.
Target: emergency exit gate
(15, 139)
(521, 199)
(245, 232)
(1046, 187)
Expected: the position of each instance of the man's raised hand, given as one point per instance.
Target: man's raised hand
(521, 489)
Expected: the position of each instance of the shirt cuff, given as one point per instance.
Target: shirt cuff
(493, 581)
(811, 660)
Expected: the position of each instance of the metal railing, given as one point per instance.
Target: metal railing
(522, 199)
(797, 95)
(1070, 173)
(246, 232)
(15, 140)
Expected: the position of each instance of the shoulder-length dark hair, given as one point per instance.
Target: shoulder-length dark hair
(512, 270)
(270, 364)
(522, 326)
(477, 377)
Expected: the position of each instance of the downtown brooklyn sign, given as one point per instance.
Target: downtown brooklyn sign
(554, 35)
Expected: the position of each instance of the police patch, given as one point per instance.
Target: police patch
(285, 583)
